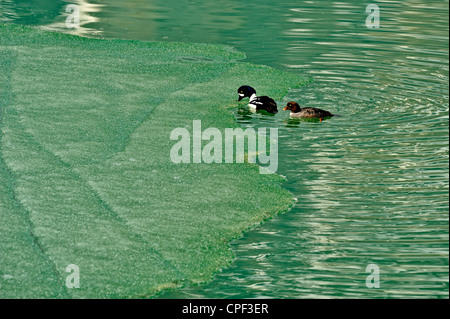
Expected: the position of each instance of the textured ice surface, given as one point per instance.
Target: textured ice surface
(85, 170)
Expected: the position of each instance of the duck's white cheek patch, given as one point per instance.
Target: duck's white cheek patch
(241, 95)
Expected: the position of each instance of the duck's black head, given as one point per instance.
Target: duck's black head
(245, 91)
(293, 107)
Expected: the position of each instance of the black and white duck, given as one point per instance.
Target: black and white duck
(258, 103)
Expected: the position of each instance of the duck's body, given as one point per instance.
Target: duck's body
(263, 103)
(307, 112)
(258, 103)
(311, 112)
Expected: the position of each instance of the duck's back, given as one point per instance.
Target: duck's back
(312, 112)
(265, 103)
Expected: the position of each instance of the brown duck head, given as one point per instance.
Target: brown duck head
(293, 107)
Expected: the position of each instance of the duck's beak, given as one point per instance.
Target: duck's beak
(240, 98)
(285, 109)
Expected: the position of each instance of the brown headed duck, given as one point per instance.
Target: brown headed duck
(306, 112)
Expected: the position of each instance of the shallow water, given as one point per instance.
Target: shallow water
(372, 185)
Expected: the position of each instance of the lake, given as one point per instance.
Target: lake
(371, 185)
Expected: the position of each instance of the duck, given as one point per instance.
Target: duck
(306, 112)
(258, 103)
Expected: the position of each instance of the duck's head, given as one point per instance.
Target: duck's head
(293, 107)
(245, 91)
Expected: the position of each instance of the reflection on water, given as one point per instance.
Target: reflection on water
(50, 14)
(29, 12)
(86, 11)
(372, 185)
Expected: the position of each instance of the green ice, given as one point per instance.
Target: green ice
(85, 171)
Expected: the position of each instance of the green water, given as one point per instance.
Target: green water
(372, 185)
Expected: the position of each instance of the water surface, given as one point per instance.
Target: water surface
(372, 185)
